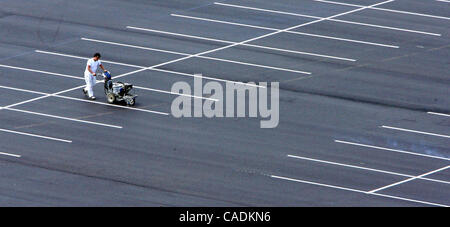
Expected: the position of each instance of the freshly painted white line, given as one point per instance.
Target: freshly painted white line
(34, 135)
(331, 19)
(153, 69)
(384, 9)
(292, 32)
(12, 155)
(64, 118)
(389, 149)
(45, 95)
(85, 58)
(410, 179)
(440, 114)
(79, 78)
(443, 1)
(245, 44)
(355, 190)
(191, 56)
(414, 131)
(365, 168)
(40, 71)
(135, 46)
(22, 90)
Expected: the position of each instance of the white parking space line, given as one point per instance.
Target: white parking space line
(364, 168)
(196, 56)
(12, 155)
(384, 9)
(80, 78)
(415, 131)
(34, 135)
(291, 32)
(48, 115)
(45, 95)
(86, 58)
(245, 44)
(330, 19)
(409, 200)
(355, 190)
(40, 71)
(389, 149)
(63, 118)
(206, 52)
(153, 69)
(410, 179)
(174, 93)
(208, 78)
(440, 114)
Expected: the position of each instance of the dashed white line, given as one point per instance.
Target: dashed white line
(330, 19)
(34, 135)
(291, 32)
(415, 131)
(390, 149)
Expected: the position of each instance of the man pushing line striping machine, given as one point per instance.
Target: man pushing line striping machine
(114, 91)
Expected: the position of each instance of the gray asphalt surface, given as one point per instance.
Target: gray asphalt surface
(158, 160)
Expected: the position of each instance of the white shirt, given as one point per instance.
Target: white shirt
(94, 65)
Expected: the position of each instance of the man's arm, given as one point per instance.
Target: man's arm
(90, 70)
(103, 68)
